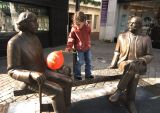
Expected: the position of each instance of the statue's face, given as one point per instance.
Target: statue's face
(134, 25)
(33, 25)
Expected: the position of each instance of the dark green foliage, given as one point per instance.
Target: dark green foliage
(96, 3)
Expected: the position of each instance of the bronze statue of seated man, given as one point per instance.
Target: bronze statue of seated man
(133, 52)
(26, 63)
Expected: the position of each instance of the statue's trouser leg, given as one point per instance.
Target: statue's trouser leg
(51, 88)
(127, 76)
(65, 82)
(129, 82)
(67, 95)
(131, 89)
(58, 100)
(131, 94)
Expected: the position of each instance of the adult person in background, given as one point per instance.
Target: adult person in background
(155, 34)
(132, 53)
(26, 63)
(79, 38)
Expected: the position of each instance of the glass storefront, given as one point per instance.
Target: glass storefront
(9, 13)
(52, 19)
(148, 10)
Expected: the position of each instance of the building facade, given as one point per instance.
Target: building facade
(54, 19)
(116, 13)
(92, 12)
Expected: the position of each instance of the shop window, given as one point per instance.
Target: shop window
(88, 19)
(95, 21)
(9, 13)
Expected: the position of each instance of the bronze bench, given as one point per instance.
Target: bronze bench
(96, 79)
(112, 74)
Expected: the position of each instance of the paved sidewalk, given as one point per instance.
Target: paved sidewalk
(84, 97)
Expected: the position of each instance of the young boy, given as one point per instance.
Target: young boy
(79, 39)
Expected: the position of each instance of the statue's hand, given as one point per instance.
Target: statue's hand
(39, 77)
(141, 65)
(140, 61)
(111, 67)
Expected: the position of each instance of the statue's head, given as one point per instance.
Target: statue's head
(27, 22)
(135, 24)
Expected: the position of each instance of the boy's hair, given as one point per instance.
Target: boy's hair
(79, 16)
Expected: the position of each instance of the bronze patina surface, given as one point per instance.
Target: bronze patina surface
(132, 53)
(26, 63)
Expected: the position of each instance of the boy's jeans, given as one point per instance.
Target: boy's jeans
(83, 56)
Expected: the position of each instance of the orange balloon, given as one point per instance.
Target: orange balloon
(55, 60)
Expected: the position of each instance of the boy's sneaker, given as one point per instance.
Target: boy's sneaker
(77, 78)
(89, 77)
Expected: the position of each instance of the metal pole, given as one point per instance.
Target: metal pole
(40, 98)
(77, 5)
(74, 53)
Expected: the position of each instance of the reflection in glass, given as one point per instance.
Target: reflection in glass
(9, 13)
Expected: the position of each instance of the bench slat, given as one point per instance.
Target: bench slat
(97, 79)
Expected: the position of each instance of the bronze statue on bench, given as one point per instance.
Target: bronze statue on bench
(26, 63)
(132, 53)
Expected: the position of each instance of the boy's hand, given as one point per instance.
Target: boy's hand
(68, 50)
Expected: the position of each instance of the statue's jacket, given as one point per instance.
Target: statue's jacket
(24, 54)
(143, 49)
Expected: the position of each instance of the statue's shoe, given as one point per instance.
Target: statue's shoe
(115, 96)
(132, 107)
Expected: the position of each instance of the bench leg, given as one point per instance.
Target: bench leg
(40, 98)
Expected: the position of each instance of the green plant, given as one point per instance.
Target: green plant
(96, 3)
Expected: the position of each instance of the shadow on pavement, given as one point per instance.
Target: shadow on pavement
(147, 101)
(97, 105)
